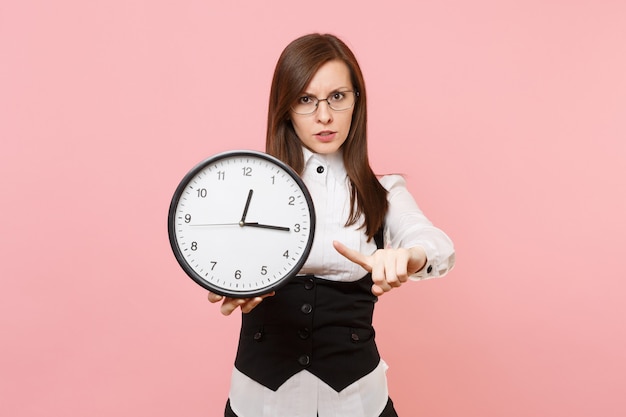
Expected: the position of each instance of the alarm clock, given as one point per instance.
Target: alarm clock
(241, 223)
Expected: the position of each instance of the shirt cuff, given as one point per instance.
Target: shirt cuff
(434, 266)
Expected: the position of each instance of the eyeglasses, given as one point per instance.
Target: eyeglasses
(337, 101)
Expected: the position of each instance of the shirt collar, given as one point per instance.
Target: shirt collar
(332, 163)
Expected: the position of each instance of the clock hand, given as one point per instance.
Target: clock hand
(216, 224)
(265, 226)
(245, 209)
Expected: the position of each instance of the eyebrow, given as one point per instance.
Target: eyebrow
(336, 90)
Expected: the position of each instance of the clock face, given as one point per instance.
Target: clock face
(241, 223)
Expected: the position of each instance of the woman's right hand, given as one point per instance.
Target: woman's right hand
(230, 304)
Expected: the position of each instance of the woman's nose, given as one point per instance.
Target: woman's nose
(324, 114)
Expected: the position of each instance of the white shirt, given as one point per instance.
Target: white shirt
(304, 395)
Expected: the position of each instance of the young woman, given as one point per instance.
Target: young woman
(308, 349)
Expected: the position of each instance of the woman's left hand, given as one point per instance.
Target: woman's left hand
(390, 268)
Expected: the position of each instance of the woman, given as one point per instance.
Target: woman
(308, 350)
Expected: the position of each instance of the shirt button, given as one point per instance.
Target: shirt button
(258, 336)
(306, 308)
(320, 169)
(304, 333)
(354, 337)
(304, 360)
(309, 284)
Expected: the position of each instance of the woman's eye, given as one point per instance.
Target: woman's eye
(337, 96)
(305, 100)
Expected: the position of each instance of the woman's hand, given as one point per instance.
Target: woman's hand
(390, 268)
(230, 304)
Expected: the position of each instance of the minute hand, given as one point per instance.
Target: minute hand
(266, 226)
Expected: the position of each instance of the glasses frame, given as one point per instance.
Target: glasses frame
(317, 102)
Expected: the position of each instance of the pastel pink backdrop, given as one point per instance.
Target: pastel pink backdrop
(507, 118)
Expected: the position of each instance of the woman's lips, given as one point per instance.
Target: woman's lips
(325, 136)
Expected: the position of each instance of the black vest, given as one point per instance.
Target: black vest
(315, 324)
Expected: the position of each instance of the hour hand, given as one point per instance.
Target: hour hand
(245, 209)
(265, 226)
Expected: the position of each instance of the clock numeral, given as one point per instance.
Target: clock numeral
(237, 274)
(264, 270)
(194, 246)
(296, 227)
(213, 266)
(286, 254)
(202, 192)
(247, 171)
(273, 179)
(187, 218)
(292, 200)
(221, 175)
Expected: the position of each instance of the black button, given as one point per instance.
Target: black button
(258, 336)
(320, 169)
(429, 269)
(309, 284)
(354, 337)
(304, 360)
(306, 308)
(304, 333)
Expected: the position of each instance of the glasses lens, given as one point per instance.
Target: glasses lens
(341, 100)
(305, 105)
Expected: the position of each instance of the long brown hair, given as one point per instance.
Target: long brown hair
(295, 68)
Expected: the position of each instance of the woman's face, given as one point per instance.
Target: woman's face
(325, 130)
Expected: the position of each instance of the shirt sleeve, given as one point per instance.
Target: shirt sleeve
(406, 227)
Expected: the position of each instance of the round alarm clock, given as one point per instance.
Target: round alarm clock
(241, 223)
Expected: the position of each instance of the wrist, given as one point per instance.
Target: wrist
(419, 259)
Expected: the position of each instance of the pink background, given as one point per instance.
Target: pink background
(507, 117)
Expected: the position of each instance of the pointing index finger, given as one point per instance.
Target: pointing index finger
(352, 255)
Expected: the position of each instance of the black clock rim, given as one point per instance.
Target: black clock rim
(171, 219)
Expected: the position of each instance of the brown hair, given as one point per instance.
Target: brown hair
(295, 68)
